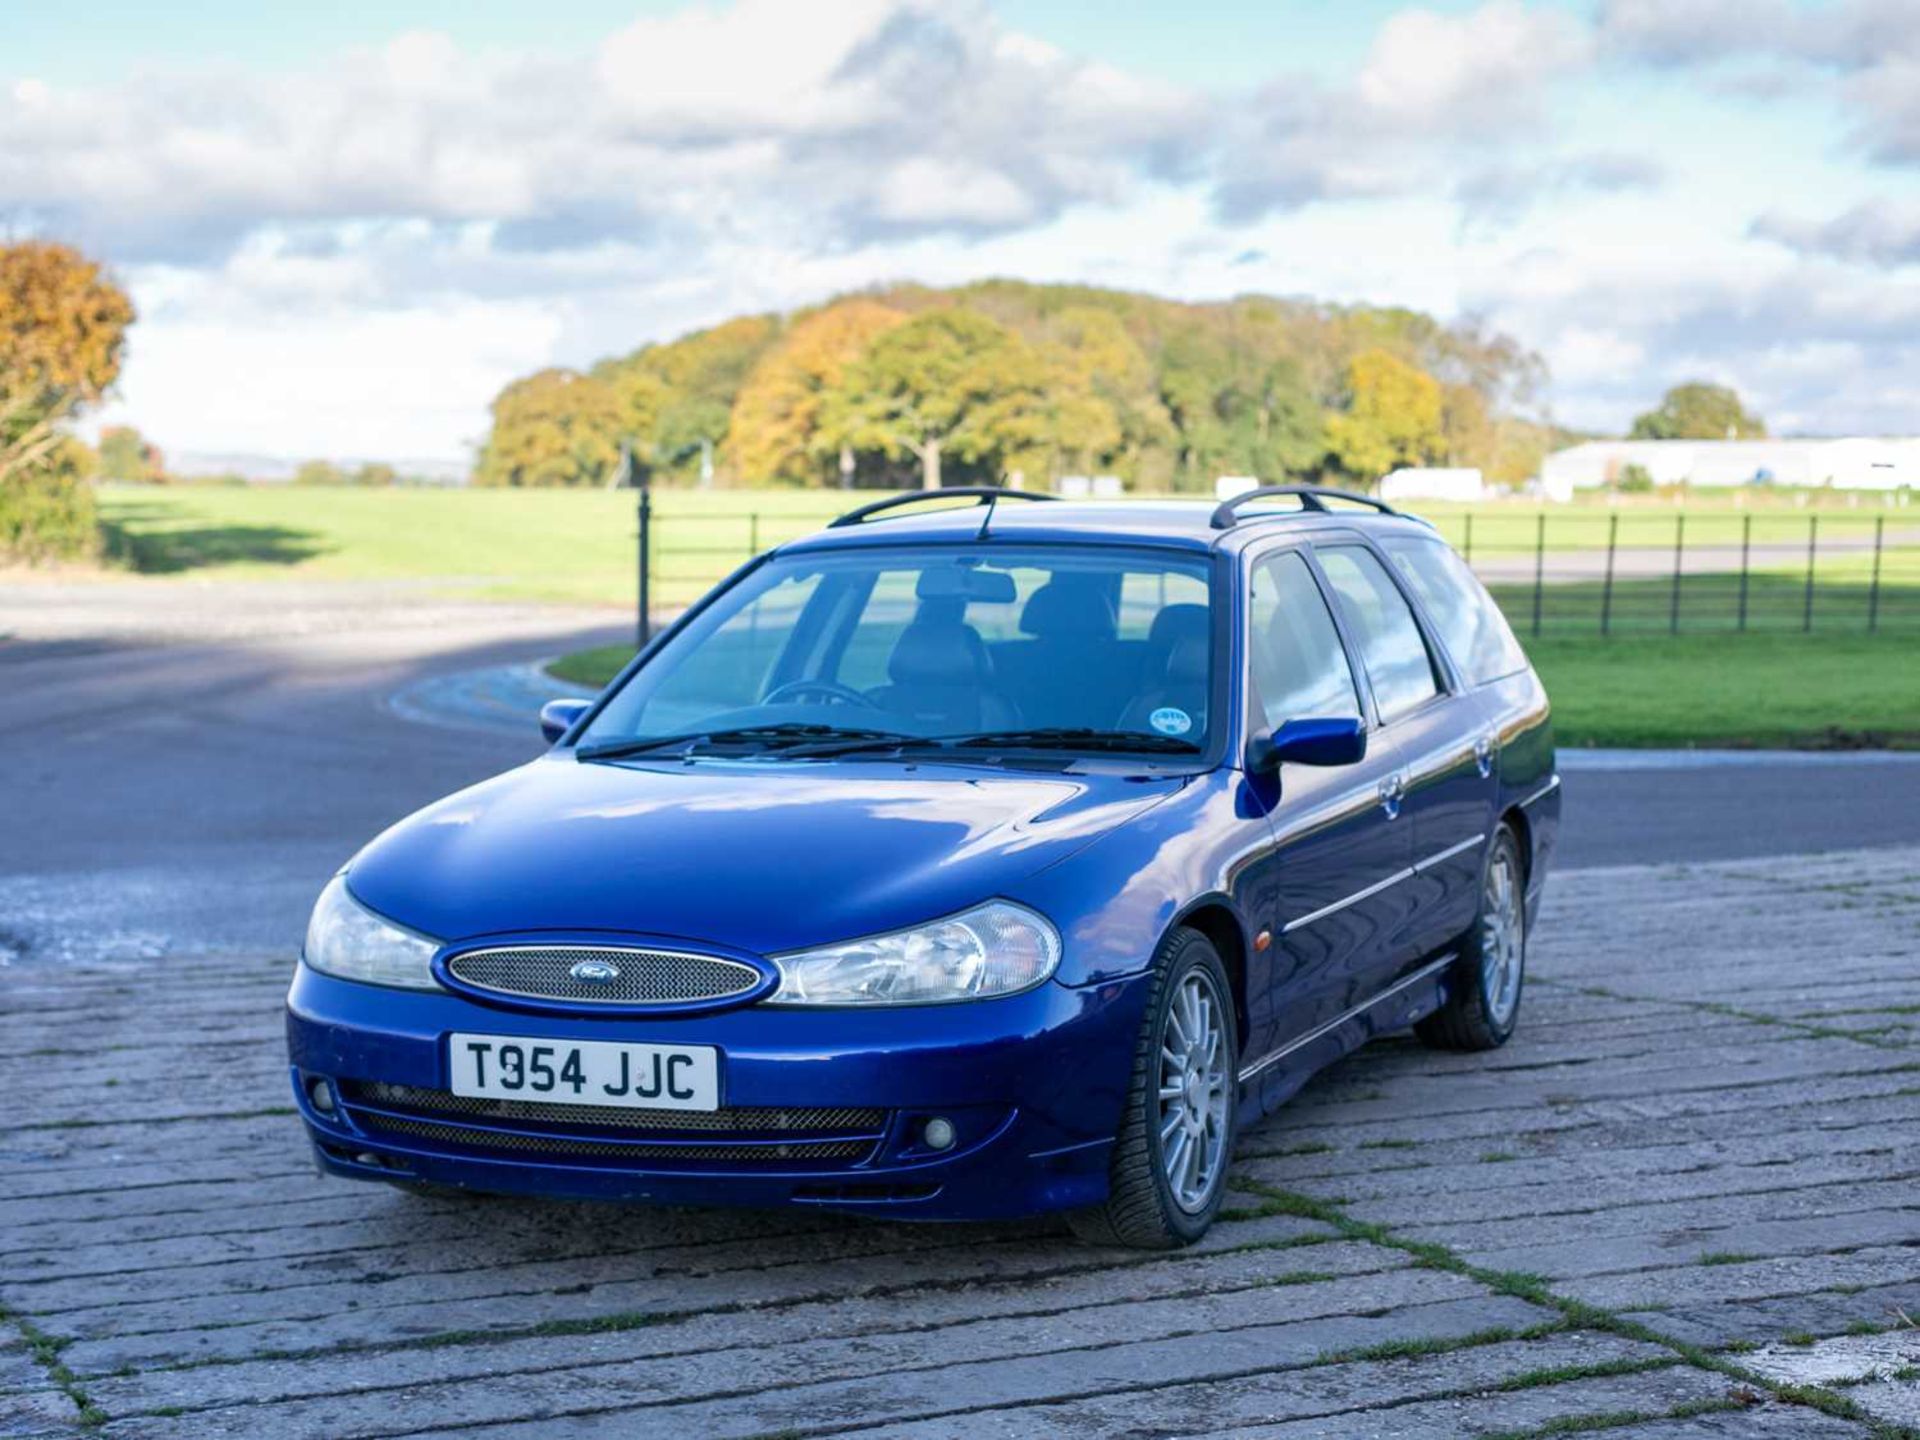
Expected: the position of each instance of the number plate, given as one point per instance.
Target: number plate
(585, 1072)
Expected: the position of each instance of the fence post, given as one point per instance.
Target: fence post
(753, 533)
(1813, 534)
(1746, 548)
(1679, 556)
(1873, 586)
(1539, 567)
(1467, 549)
(643, 628)
(1606, 586)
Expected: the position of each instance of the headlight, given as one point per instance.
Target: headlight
(994, 949)
(355, 944)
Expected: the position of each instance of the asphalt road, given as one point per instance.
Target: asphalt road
(182, 775)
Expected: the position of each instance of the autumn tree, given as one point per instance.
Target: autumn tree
(774, 431)
(1698, 411)
(63, 326)
(1392, 417)
(126, 454)
(675, 396)
(949, 383)
(556, 427)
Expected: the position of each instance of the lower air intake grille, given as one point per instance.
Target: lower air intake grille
(764, 1120)
(603, 975)
(841, 1150)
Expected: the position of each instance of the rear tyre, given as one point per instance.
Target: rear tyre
(1483, 1003)
(1170, 1159)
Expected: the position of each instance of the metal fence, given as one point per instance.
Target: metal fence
(1555, 573)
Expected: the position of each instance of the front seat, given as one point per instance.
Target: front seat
(940, 675)
(1066, 674)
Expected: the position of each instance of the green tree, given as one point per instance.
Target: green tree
(319, 472)
(1392, 417)
(949, 383)
(125, 454)
(1698, 411)
(376, 472)
(556, 427)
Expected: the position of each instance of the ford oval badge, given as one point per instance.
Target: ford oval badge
(594, 972)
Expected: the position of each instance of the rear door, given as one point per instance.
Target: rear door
(1445, 748)
(1340, 846)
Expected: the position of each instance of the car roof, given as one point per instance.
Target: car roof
(1174, 524)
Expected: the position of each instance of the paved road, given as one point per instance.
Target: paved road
(1688, 1184)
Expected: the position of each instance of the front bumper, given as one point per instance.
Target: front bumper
(1033, 1085)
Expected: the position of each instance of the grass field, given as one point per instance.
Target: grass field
(579, 545)
(1642, 687)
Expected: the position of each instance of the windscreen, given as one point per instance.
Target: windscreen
(944, 641)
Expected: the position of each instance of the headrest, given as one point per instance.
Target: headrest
(937, 652)
(1187, 664)
(1076, 606)
(1175, 623)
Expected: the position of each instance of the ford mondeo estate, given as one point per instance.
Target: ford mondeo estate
(972, 858)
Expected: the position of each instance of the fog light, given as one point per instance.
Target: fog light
(321, 1094)
(938, 1133)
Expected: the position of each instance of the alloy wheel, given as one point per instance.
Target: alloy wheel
(1503, 937)
(1195, 1092)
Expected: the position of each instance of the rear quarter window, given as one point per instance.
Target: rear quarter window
(1471, 626)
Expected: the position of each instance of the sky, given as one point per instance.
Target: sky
(346, 226)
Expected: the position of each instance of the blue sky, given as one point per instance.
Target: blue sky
(347, 225)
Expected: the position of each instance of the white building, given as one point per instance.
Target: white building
(1848, 464)
(1426, 483)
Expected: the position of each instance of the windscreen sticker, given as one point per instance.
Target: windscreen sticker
(1169, 721)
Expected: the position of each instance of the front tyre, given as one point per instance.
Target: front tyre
(1170, 1158)
(1483, 1002)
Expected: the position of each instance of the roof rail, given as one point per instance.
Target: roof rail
(980, 494)
(1311, 497)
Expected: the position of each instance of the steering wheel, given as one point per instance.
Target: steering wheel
(825, 689)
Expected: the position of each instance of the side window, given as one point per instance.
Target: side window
(1475, 632)
(1391, 646)
(1299, 669)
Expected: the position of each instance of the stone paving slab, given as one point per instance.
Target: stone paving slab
(1706, 1134)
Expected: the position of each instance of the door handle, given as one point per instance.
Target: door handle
(1393, 790)
(1483, 752)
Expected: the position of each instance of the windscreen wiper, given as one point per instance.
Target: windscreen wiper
(781, 736)
(1077, 738)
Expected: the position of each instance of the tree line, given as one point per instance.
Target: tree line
(1007, 382)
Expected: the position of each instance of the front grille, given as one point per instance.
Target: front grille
(780, 1154)
(762, 1120)
(642, 977)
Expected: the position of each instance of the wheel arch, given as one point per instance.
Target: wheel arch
(1216, 917)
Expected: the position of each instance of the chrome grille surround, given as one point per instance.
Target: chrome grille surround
(781, 1121)
(644, 977)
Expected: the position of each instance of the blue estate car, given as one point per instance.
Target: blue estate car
(956, 862)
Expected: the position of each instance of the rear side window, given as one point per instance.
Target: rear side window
(1391, 646)
(1470, 624)
(1299, 669)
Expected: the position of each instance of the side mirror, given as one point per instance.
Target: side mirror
(1308, 742)
(557, 717)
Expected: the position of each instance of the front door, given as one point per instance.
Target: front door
(1341, 846)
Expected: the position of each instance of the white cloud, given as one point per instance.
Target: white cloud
(1433, 87)
(1875, 233)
